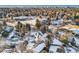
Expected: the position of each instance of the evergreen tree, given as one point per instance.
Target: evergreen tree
(49, 21)
(38, 24)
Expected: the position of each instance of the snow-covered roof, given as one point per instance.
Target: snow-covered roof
(45, 35)
(12, 38)
(8, 28)
(76, 31)
(37, 33)
(32, 22)
(61, 33)
(57, 42)
(55, 22)
(7, 51)
(39, 48)
(31, 39)
(53, 48)
(11, 34)
(77, 40)
(69, 50)
(23, 17)
(12, 42)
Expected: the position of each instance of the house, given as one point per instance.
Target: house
(13, 38)
(23, 18)
(7, 51)
(7, 30)
(26, 20)
(45, 22)
(57, 22)
(32, 36)
(61, 49)
(56, 42)
(53, 49)
(38, 36)
(77, 41)
(39, 48)
(69, 50)
(55, 46)
(76, 31)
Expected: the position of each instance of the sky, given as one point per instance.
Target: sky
(28, 6)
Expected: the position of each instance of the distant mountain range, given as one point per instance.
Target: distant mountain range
(38, 6)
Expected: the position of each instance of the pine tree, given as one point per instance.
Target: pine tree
(19, 26)
(38, 24)
(49, 21)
